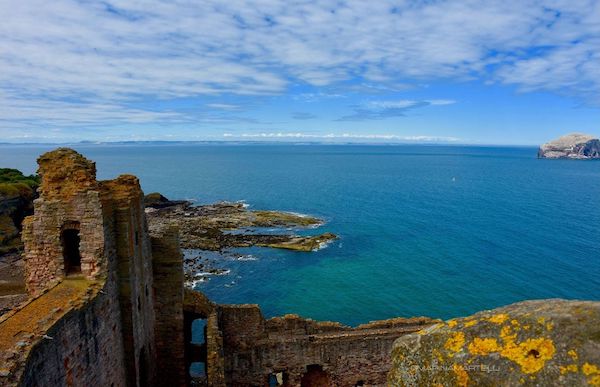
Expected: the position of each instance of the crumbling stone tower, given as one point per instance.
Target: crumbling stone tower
(82, 228)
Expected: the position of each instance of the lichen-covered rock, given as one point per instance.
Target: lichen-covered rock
(536, 343)
(571, 146)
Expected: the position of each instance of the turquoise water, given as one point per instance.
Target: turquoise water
(440, 231)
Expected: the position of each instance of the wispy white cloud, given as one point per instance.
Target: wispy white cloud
(342, 136)
(223, 106)
(377, 110)
(96, 59)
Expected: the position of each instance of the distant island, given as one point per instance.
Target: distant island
(571, 146)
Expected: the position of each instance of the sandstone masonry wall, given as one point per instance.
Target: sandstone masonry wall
(85, 348)
(256, 349)
(168, 291)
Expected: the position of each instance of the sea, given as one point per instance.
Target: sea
(424, 230)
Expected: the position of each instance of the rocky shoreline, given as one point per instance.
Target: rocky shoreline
(214, 229)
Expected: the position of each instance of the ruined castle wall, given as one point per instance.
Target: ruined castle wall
(168, 292)
(69, 199)
(44, 262)
(254, 348)
(134, 270)
(85, 348)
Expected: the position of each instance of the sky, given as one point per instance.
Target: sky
(462, 72)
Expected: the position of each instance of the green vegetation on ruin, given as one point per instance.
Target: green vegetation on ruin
(13, 183)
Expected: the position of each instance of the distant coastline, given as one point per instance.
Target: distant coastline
(252, 143)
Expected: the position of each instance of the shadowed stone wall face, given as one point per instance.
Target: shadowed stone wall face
(134, 271)
(85, 348)
(293, 347)
(168, 279)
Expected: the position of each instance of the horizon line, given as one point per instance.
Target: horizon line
(266, 142)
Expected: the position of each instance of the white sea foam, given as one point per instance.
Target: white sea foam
(248, 257)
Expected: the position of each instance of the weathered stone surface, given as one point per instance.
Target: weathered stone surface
(295, 349)
(535, 343)
(167, 263)
(571, 146)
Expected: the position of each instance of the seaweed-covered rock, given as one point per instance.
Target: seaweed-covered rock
(571, 146)
(535, 343)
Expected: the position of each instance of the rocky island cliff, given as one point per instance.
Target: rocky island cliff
(571, 146)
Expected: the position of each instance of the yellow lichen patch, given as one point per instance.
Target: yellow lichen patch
(541, 320)
(455, 342)
(438, 355)
(452, 323)
(573, 354)
(514, 322)
(568, 368)
(506, 334)
(530, 354)
(470, 323)
(549, 326)
(589, 369)
(462, 378)
(593, 373)
(483, 346)
(498, 318)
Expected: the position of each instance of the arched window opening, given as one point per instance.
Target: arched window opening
(143, 368)
(71, 254)
(197, 350)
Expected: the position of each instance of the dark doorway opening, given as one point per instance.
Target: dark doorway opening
(143, 367)
(71, 254)
(315, 377)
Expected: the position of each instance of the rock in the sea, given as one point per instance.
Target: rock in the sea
(571, 146)
(536, 343)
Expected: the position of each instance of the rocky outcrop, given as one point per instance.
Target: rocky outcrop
(16, 201)
(541, 343)
(225, 225)
(571, 146)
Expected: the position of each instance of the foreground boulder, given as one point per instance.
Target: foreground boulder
(571, 146)
(541, 343)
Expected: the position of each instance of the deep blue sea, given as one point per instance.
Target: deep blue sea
(439, 231)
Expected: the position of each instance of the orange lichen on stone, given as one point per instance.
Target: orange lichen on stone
(498, 318)
(452, 323)
(470, 323)
(589, 369)
(65, 172)
(530, 354)
(483, 346)
(456, 342)
(39, 314)
(592, 372)
(568, 368)
(462, 378)
(573, 354)
(506, 334)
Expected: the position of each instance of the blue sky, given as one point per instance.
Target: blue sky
(491, 72)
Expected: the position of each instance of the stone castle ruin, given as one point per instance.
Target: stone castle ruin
(108, 306)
